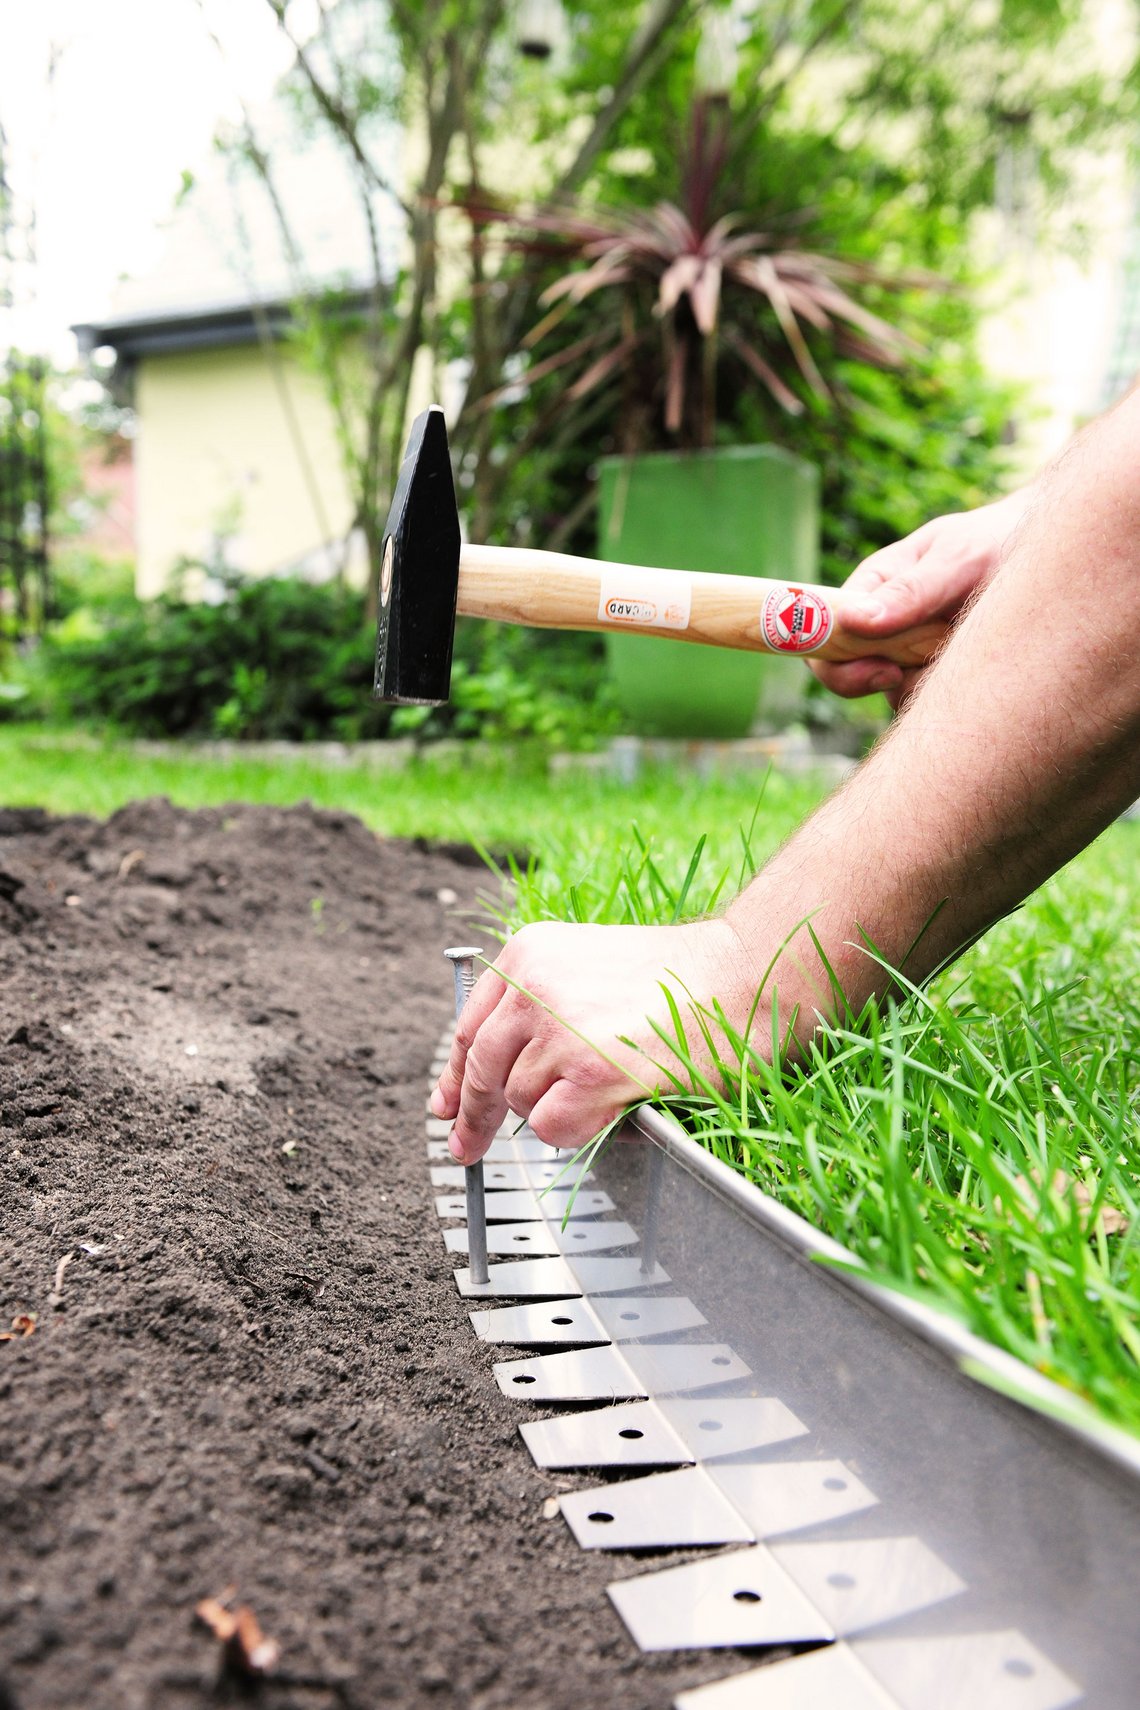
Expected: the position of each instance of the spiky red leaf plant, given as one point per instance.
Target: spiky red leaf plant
(701, 277)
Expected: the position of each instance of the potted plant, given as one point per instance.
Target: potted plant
(677, 294)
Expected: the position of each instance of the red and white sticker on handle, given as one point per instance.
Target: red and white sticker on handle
(795, 620)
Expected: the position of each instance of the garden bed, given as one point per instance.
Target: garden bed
(215, 1029)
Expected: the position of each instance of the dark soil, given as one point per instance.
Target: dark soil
(250, 1366)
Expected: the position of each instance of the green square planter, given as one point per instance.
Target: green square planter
(743, 510)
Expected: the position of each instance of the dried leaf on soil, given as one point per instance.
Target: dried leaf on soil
(246, 1647)
(23, 1325)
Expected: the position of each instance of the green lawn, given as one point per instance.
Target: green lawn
(978, 1147)
(498, 798)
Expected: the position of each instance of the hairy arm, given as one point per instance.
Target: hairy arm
(1021, 744)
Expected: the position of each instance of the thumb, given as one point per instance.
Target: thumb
(895, 604)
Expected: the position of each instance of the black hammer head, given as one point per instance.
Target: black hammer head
(419, 576)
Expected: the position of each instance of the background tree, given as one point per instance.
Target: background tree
(873, 129)
(25, 488)
(450, 75)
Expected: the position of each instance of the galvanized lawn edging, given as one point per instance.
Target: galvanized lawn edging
(860, 1471)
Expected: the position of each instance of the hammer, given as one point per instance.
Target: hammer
(428, 576)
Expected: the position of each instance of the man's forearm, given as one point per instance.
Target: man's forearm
(1021, 745)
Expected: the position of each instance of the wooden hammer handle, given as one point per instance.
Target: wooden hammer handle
(552, 590)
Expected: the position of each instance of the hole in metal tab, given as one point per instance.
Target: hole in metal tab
(562, 1319)
(600, 1517)
(520, 1237)
(577, 1235)
(721, 1360)
(841, 1581)
(746, 1597)
(630, 1317)
(630, 1432)
(1019, 1667)
(523, 1377)
(710, 1425)
(835, 1484)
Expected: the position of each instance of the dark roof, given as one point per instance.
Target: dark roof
(202, 327)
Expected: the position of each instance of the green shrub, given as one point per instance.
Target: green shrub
(274, 657)
(87, 587)
(509, 683)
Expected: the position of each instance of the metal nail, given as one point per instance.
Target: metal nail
(463, 962)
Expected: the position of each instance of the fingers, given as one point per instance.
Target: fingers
(566, 1116)
(863, 604)
(892, 590)
(859, 677)
(486, 1071)
(911, 678)
(519, 1042)
(878, 600)
(532, 1076)
(487, 992)
(925, 578)
(515, 1063)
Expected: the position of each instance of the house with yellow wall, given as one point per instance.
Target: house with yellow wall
(237, 460)
(237, 448)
